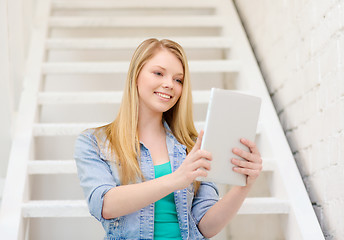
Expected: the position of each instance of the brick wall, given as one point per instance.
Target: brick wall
(299, 46)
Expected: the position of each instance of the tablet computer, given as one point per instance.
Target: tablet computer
(231, 115)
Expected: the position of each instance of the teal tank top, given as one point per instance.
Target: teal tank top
(166, 225)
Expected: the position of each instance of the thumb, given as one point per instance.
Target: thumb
(198, 142)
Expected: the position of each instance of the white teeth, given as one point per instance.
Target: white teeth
(164, 95)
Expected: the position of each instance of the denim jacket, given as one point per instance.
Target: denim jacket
(98, 173)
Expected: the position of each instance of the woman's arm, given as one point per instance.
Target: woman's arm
(123, 200)
(126, 199)
(225, 209)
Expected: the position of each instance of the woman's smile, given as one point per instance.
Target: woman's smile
(164, 96)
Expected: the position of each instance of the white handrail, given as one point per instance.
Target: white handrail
(14, 40)
(16, 46)
(6, 89)
(11, 224)
(16, 29)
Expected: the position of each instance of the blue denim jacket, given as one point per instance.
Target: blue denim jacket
(98, 174)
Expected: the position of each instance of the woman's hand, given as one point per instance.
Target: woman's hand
(253, 166)
(195, 165)
(227, 207)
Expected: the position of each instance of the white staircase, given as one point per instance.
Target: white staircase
(79, 55)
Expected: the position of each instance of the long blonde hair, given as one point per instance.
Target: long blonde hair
(122, 133)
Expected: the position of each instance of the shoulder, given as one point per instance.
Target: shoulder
(92, 138)
(86, 137)
(96, 135)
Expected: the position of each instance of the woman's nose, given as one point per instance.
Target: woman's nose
(168, 82)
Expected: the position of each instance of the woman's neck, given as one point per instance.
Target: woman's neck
(150, 126)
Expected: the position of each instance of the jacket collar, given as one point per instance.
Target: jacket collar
(171, 139)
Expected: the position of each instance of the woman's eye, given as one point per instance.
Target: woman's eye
(158, 73)
(180, 81)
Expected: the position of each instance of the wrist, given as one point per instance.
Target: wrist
(171, 182)
(244, 189)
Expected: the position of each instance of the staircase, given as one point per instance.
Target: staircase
(78, 59)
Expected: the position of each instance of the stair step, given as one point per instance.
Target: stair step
(78, 208)
(132, 43)
(72, 129)
(51, 167)
(268, 164)
(264, 206)
(69, 167)
(122, 67)
(62, 129)
(137, 21)
(55, 208)
(139, 4)
(108, 97)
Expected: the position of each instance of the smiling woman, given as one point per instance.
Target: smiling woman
(159, 87)
(138, 172)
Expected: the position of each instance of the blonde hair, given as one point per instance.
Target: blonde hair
(122, 133)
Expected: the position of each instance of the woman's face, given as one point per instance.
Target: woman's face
(160, 83)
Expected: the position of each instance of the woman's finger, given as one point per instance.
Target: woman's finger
(201, 163)
(246, 155)
(246, 164)
(251, 145)
(198, 142)
(249, 172)
(202, 154)
(199, 173)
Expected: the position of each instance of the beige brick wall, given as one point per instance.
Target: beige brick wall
(300, 48)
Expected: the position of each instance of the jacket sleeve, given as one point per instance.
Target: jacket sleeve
(94, 173)
(205, 198)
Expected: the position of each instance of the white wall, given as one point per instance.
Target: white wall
(300, 48)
